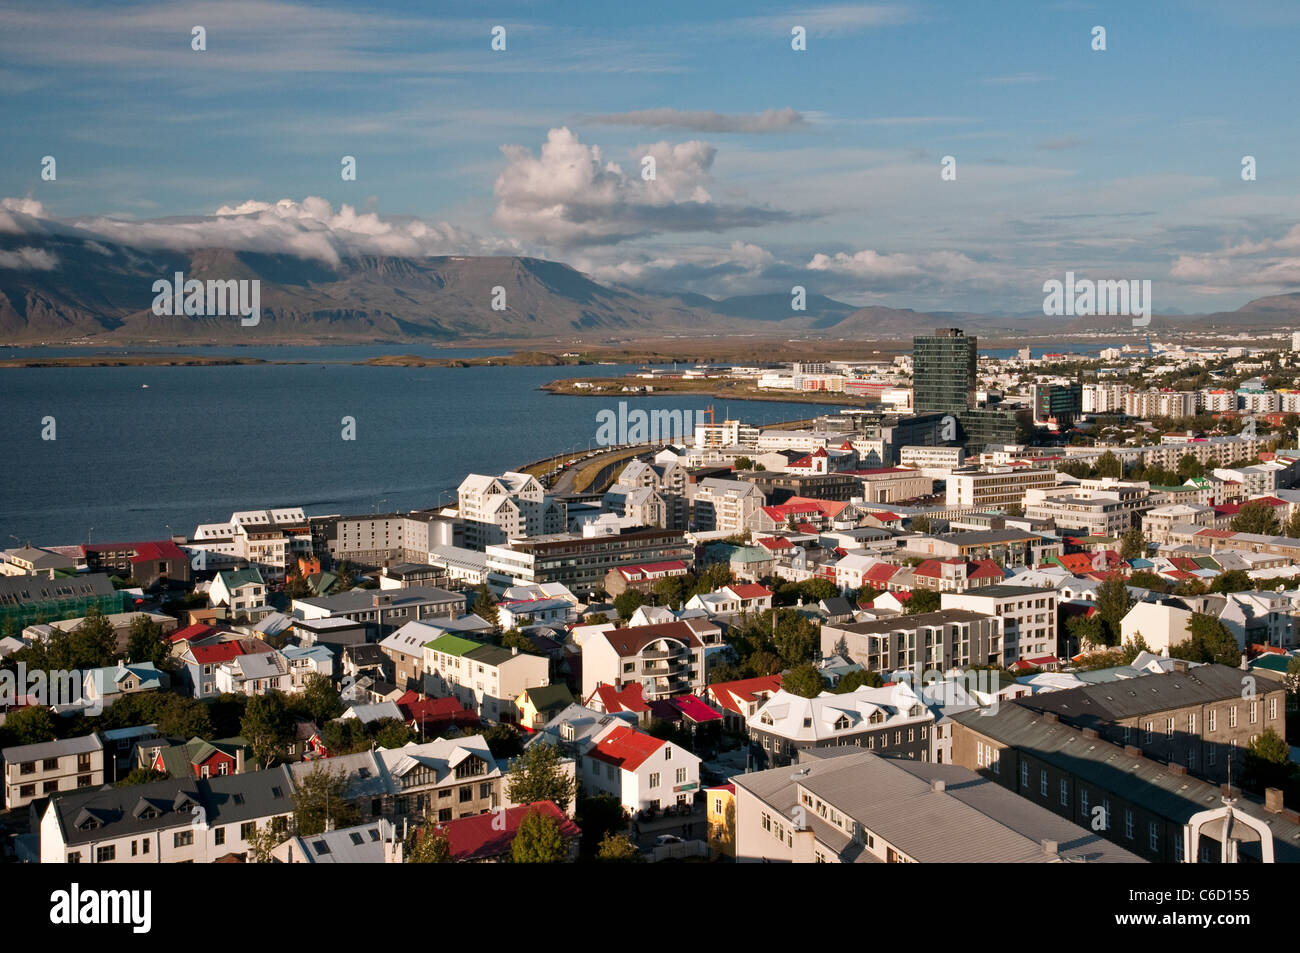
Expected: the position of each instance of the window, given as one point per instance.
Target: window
(1169, 727)
(668, 753)
(1232, 717)
(1272, 708)
(183, 839)
(444, 814)
(218, 835)
(1210, 719)
(246, 830)
(1083, 802)
(28, 767)
(485, 791)
(1149, 733)
(1153, 834)
(1191, 724)
(52, 764)
(1024, 775)
(49, 786)
(103, 854)
(1253, 712)
(1128, 823)
(466, 793)
(83, 780)
(1211, 755)
(75, 857)
(1178, 850)
(1042, 783)
(654, 780)
(1065, 792)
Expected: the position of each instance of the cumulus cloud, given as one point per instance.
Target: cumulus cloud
(21, 216)
(571, 195)
(770, 120)
(1268, 264)
(705, 268)
(874, 265)
(28, 259)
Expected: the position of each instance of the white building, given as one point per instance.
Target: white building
(495, 509)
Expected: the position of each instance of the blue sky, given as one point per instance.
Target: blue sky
(773, 167)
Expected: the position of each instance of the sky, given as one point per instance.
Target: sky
(773, 167)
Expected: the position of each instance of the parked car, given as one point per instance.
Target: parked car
(663, 839)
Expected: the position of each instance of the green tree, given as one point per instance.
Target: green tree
(817, 589)
(427, 845)
(266, 838)
(1268, 762)
(744, 463)
(1292, 678)
(598, 816)
(514, 639)
(140, 776)
(673, 591)
(1108, 465)
(1133, 647)
(921, 524)
(1132, 544)
(1087, 630)
(390, 733)
(627, 602)
(1189, 467)
(795, 637)
(618, 848)
(29, 726)
(318, 699)
(485, 604)
(1209, 640)
(1234, 580)
(1256, 517)
(1113, 603)
(145, 642)
(539, 840)
(923, 600)
(804, 681)
(92, 644)
(1145, 579)
(857, 679)
(1292, 527)
(320, 803)
(345, 579)
(268, 727)
(538, 775)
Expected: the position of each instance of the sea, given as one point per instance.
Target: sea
(148, 452)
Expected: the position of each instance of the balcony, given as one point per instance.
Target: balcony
(659, 655)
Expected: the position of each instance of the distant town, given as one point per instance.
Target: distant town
(1056, 599)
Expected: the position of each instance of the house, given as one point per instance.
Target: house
(177, 820)
(739, 699)
(720, 805)
(850, 806)
(736, 598)
(305, 660)
(490, 838)
(374, 711)
(956, 575)
(40, 770)
(640, 770)
(642, 577)
(254, 673)
(486, 678)
(384, 610)
(539, 705)
(103, 686)
(668, 659)
(148, 564)
(366, 781)
(434, 716)
(197, 758)
(630, 700)
(514, 615)
(405, 649)
(239, 590)
(202, 661)
(443, 780)
(892, 721)
(373, 843)
(121, 746)
(1161, 626)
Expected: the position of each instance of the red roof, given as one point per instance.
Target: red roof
(750, 590)
(728, 694)
(880, 572)
(146, 552)
(775, 542)
(1077, 563)
(212, 654)
(643, 569)
(695, 709)
(483, 835)
(614, 701)
(625, 748)
(1045, 660)
(193, 633)
(437, 710)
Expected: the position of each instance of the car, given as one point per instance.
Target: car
(663, 839)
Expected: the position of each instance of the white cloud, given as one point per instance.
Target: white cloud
(770, 120)
(25, 259)
(1265, 265)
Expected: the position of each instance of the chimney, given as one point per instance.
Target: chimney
(514, 650)
(1245, 666)
(1049, 847)
(937, 785)
(1180, 665)
(1273, 800)
(1177, 769)
(1090, 733)
(1051, 716)
(1133, 751)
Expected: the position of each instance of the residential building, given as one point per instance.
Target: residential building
(485, 678)
(724, 505)
(25, 599)
(374, 843)
(1160, 625)
(643, 577)
(582, 562)
(489, 839)
(445, 779)
(996, 486)
(41, 770)
(667, 659)
(640, 770)
(495, 509)
(1028, 615)
(953, 637)
(384, 609)
(1010, 548)
(238, 590)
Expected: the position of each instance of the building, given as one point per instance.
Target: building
(582, 562)
(445, 779)
(739, 699)
(371, 540)
(488, 839)
(851, 806)
(373, 843)
(943, 372)
(1028, 615)
(953, 637)
(1159, 625)
(724, 505)
(643, 578)
(148, 564)
(1009, 548)
(177, 820)
(892, 721)
(640, 770)
(42, 770)
(1160, 403)
(495, 509)
(1094, 508)
(666, 658)
(32, 560)
(1104, 398)
(485, 678)
(238, 590)
(25, 599)
(1133, 801)
(384, 609)
(1056, 404)
(996, 486)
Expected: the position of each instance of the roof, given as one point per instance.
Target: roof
(547, 697)
(363, 844)
(970, 820)
(744, 690)
(213, 654)
(614, 701)
(449, 644)
(630, 641)
(484, 835)
(750, 590)
(625, 748)
(52, 749)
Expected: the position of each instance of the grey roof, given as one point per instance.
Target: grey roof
(357, 600)
(120, 811)
(1114, 700)
(1139, 780)
(1003, 591)
(895, 623)
(53, 749)
(972, 820)
(363, 844)
(21, 590)
(367, 775)
(978, 537)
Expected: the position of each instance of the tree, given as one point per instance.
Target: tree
(485, 604)
(514, 639)
(923, 600)
(804, 681)
(390, 733)
(1268, 762)
(1132, 544)
(1087, 630)
(537, 775)
(141, 776)
(599, 816)
(344, 577)
(92, 644)
(921, 524)
(539, 840)
(1256, 517)
(618, 848)
(1189, 467)
(1234, 580)
(744, 463)
(29, 726)
(627, 602)
(1292, 528)
(427, 845)
(817, 589)
(795, 637)
(266, 838)
(673, 591)
(295, 586)
(1209, 640)
(1113, 603)
(1292, 677)
(318, 699)
(857, 679)
(320, 803)
(1133, 647)
(145, 642)
(1145, 579)
(1109, 465)
(268, 727)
